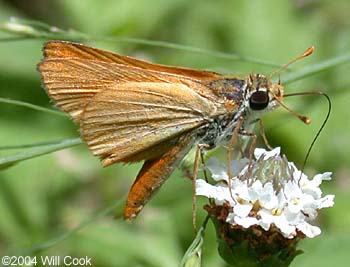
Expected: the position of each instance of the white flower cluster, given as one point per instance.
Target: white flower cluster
(290, 207)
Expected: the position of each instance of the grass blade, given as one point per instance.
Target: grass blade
(31, 29)
(30, 145)
(32, 106)
(316, 68)
(8, 161)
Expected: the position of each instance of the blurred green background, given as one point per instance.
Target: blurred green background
(44, 198)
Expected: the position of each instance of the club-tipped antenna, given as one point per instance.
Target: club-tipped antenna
(301, 117)
(307, 52)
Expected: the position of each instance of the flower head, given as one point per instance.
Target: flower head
(269, 191)
(268, 201)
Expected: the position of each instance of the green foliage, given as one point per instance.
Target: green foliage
(49, 205)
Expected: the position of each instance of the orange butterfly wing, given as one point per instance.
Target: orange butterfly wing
(126, 120)
(61, 49)
(130, 110)
(124, 106)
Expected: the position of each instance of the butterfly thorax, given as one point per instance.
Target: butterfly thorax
(247, 98)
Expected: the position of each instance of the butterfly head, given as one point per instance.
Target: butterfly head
(262, 94)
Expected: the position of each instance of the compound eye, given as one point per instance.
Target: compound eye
(259, 100)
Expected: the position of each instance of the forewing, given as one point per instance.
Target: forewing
(60, 49)
(128, 109)
(71, 83)
(126, 120)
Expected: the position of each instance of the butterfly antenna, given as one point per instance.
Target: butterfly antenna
(319, 130)
(308, 52)
(322, 126)
(301, 117)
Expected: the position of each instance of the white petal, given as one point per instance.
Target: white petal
(326, 202)
(268, 198)
(292, 190)
(298, 176)
(217, 169)
(231, 218)
(221, 194)
(311, 187)
(242, 210)
(309, 230)
(282, 223)
(292, 165)
(255, 190)
(205, 189)
(259, 152)
(282, 201)
(240, 188)
(293, 218)
(315, 192)
(311, 214)
(326, 176)
(245, 222)
(266, 218)
(294, 206)
(238, 165)
(318, 178)
(308, 201)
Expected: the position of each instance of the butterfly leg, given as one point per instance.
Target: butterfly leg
(252, 144)
(231, 144)
(197, 161)
(263, 135)
(251, 147)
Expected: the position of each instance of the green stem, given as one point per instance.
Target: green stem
(30, 145)
(316, 68)
(196, 246)
(31, 29)
(8, 161)
(32, 106)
